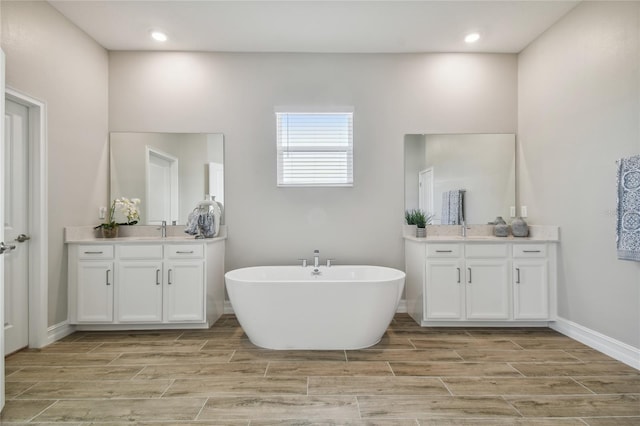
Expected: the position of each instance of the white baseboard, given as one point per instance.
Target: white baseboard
(598, 341)
(402, 307)
(59, 331)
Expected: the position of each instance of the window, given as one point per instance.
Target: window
(315, 148)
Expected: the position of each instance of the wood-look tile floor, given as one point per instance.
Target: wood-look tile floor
(414, 376)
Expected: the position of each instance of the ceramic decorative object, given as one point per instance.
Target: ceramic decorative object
(519, 227)
(501, 229)
(421, 232)
(111, 232)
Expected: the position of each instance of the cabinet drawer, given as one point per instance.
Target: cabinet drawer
(486, 250)
(149, 251)
(443, 250)
(95, 252)
(185, 251)
(529, 250)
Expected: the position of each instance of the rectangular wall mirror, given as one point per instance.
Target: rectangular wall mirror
(481, 165)
(169, 172)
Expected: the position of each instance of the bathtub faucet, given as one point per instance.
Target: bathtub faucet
(316, 258)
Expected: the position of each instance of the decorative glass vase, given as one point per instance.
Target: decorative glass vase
(204, 221)
(519, 227)
(111, 232)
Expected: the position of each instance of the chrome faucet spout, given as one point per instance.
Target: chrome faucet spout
(464, 229)
(316, 258)
(163, 229)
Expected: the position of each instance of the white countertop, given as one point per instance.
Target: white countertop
(137, 234)
(482, 234)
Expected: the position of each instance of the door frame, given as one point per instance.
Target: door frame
(38, 217)
(174, 202)
(421, 200)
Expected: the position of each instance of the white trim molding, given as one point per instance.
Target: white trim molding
(614, 348)
(38, 219)
(58, 331)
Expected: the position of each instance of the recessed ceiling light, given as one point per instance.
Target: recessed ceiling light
(158, 36)
(472, 38)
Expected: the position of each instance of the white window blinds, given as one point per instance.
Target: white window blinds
(315, 148)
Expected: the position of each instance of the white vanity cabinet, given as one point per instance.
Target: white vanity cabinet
(487, 282)
(94, 271)
(480, 282)
(531, 282)
(184, 289)
(474, 286)
(137, 285)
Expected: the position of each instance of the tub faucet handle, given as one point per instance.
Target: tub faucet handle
(329, 262)
(304, 262)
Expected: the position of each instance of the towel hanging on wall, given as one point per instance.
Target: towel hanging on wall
(628, 214)
(452, 207)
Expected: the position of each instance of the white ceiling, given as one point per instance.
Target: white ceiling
(315, 26)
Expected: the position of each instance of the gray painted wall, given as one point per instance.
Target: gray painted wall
(579, 111)
(235, 94)
(53, 61)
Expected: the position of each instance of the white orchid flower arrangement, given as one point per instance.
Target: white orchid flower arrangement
(129, 208)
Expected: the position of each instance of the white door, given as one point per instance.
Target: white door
(184, 292)
(140, 291)
(425, 194)
(487, 292)
(531, 289)
(1, 231)
(162, 187)
(444, 292)
(16, 214)
(95, 291)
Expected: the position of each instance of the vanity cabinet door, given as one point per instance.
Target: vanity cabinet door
(487, 289)
(530, 289)
(94, 300)
(444, 292)
(184, 291)
(139, 291)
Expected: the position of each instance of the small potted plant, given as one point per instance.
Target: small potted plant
(128, 207)
(420, 219)
(421, 222)
(410, 227)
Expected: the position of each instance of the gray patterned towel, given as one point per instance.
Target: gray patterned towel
(628, 218)
(452, 207)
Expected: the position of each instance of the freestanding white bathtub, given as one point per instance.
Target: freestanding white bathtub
(290, 307)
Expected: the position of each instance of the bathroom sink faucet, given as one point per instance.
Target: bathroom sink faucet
(464, 229)
(163, 229)
(316, 258)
